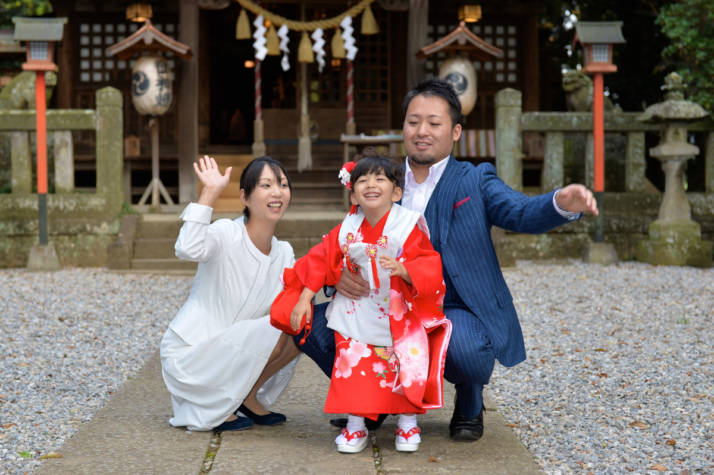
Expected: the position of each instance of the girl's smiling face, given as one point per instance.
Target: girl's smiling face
(375, 193)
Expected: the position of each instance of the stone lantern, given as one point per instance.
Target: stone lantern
(674, 239)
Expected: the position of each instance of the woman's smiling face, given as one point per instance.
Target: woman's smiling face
(270, 197)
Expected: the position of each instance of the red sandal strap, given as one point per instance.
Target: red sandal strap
(354, 435)
(409, 433)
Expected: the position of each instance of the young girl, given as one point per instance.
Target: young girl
(391, 345)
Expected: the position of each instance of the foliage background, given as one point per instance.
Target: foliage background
(689, 24)
(11, 8)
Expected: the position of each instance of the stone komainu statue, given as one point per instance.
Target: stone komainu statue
(578, 88)
(20, 92)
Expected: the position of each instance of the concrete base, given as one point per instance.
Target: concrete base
(666, 253)
(43, 258)
(676, 243)
(600, 253)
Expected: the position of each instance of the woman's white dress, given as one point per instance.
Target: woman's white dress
(220, 340)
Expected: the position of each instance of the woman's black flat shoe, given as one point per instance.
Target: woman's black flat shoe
(269, 419)
(241, 423)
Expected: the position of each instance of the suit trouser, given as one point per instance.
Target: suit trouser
(469, 358)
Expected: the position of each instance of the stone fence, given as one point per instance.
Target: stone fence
(81, 224)
(627, 212)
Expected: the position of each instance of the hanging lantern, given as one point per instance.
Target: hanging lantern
(139, 12)
(337, 46)
(369, 24)
(243, 26)
(272, 42)
(305, 50)
(151, 90)
(460, 73)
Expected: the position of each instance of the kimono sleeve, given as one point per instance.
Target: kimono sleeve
(322, 265)
(423, 264)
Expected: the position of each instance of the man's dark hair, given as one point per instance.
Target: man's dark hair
(251, 174)
(435, 87)
(371, 164)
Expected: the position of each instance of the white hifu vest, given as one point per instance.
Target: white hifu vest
(367, 319)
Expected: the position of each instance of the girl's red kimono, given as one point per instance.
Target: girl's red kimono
(391, 345)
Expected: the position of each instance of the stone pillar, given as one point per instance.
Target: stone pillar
(20, 162)
(590, 161)
(553, 175)
(187, 103)
(417, 38)
(635, 164)
(709, 163)
(110, 147)
(64, 161)
(508, 138)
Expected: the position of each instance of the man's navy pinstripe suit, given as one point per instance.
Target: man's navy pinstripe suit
(466, 202)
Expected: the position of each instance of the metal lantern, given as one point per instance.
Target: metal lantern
(151, 89)
(460, 73)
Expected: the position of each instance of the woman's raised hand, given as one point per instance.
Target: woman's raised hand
(210, 176)
(207, 171)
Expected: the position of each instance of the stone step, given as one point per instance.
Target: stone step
(159, 228)
(154, 248)
(163, 264)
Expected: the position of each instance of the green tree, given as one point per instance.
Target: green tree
(689, 25)
(11, 8)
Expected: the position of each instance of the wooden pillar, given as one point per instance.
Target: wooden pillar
(187, 103)
(531, 86)
(67, 54)
(417, 39)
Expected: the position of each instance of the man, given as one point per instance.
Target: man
(460, 203)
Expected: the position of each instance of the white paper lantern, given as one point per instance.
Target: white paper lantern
(460, 73)
(151, 89)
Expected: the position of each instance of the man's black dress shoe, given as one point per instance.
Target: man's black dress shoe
(463, 429)
(269, 419)
(341, 422)
(241, 423)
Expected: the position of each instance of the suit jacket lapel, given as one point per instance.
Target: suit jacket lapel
(438, 210)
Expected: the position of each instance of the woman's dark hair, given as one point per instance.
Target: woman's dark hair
(435, 88)
(251, 175)
(391, 169)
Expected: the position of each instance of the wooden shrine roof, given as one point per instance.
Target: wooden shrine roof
(148, 38)
(462, 40)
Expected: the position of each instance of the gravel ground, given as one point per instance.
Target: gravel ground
(619, 375)
(620, 370)
(68, 341)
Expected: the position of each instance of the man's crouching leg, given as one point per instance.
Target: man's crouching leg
(469, 364)
(320, 343)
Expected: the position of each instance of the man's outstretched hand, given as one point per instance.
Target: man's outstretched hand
(577, 199)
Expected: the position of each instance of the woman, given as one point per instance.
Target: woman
(220, 356)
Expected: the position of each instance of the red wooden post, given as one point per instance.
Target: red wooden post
(598, 133)
(41, 143)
